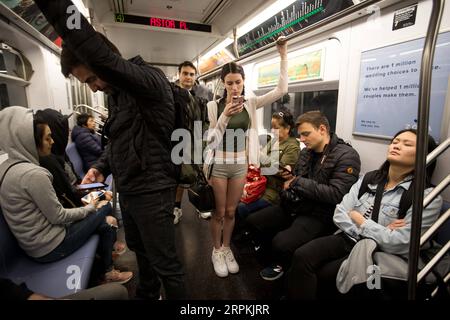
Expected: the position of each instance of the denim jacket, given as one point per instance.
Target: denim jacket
(390, 241)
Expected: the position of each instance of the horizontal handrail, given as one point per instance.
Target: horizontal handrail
(429, 233)
(439, 150)
(7, 77)
(446, 279)
(436, 190)
(94, 110)
(433, 262)
(90, 108)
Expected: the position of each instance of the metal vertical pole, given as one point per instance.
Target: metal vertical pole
(422, 143)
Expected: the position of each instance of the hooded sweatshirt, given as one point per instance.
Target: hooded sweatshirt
(58, 163)
(28, 200)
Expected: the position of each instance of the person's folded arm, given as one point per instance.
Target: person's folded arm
(397, 241)
(341, 216)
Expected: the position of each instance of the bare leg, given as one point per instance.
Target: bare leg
(179, 195)
(220, 193)
(234, 193)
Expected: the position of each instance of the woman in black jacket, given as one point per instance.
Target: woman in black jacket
(87, 141)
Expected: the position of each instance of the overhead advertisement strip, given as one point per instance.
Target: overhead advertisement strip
(30, 13)
(162, 23)
(298, 15)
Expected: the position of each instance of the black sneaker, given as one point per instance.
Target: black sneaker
(271, 273)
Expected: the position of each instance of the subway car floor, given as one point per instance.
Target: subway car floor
(194, 248)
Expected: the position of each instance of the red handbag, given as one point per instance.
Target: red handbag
(255, 186)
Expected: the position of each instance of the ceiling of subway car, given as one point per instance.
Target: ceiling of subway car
(169, 46)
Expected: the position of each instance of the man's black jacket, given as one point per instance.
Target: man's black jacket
(323, 184)
(142, 113)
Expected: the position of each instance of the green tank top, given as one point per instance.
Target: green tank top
(234, 136)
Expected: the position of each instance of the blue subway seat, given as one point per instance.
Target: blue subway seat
(75, 158)
(55, 279)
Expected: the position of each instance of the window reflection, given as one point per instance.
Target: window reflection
(301, 102)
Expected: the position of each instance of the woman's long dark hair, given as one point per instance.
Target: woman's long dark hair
(383, 171)
(38, 130)
(232, 67)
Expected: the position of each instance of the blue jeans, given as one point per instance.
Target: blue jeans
(244, 210)
(79, 232)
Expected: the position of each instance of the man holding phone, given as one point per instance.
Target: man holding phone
(91, 186)
(139, 128)
(325, 171)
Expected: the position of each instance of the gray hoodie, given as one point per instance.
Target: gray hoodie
(27, 197)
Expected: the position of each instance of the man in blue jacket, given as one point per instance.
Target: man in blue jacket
(139, 128)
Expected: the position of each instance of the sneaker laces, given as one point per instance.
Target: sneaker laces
(277, 268)
(218, 254)
(228, 254)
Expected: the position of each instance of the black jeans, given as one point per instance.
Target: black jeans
(150, 233)
(315, 266)
(79, 232)
(283, 234)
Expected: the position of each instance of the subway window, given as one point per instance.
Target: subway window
(12, 94)
(13, 77)
(81, 94)
(301, 102)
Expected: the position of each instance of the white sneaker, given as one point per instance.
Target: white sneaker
(204, 215)
(177, 212)
(230, 261)
(219, 264)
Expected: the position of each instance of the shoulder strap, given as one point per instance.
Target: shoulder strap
(368, 178)
(216, 106)
(406, 201)
(200, 174)
(7, 169)
(377, 202)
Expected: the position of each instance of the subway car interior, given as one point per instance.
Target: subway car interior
(371, 67)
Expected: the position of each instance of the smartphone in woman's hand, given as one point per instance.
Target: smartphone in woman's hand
(238, 100)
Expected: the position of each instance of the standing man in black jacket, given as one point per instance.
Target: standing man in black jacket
(140, 124)
(198, 112)
(324, 173)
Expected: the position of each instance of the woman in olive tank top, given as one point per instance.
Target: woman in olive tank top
(230, 119)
